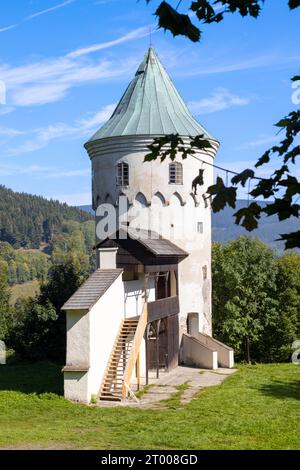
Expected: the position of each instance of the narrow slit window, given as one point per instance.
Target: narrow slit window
(200, 227)
(122, 174)
(175, 173)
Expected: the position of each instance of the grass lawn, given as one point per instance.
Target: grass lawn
(256, 408)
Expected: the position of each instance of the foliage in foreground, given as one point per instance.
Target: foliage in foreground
(282, 187)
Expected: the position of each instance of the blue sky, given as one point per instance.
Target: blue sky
(65, 65)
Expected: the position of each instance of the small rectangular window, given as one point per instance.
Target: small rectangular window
(200, 227)
(122, 174)
(175, 173)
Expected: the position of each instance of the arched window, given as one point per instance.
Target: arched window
(122, 174)
(175, 173)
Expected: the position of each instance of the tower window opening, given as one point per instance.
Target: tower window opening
(122, 174)
(200, 227)
(175, 173)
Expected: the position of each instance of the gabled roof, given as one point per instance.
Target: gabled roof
(92, 290)
(151, 105)
(158, 245)
(155, 245)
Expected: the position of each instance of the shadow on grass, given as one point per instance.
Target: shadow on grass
(40, 377)
(279, 389)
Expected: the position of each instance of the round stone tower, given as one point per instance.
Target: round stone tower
(159, 195)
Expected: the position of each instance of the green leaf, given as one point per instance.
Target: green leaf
(265, 158)
(296, 78)
(200, 142)
(284, 208)
(243, 177)
(205, 12)
(292, 185)
(176, 23)
(294, 4)
(249, 216)
(283, 123)
(292, 240)
(223, 195)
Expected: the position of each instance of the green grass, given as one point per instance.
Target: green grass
(140, 393)
(258, 407)
(27, 289)
(175, 399)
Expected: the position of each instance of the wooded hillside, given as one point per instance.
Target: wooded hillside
(28, 221)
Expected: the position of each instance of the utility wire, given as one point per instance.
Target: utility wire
(223, 169)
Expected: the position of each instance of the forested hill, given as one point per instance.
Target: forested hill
(28, 221)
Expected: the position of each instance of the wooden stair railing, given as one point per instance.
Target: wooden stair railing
(134, 356)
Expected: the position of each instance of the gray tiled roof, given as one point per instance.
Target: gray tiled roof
(91, 291)
(151, 105)
(158, 245)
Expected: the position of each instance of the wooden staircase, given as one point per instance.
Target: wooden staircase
(112, 385)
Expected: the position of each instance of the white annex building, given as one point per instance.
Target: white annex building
(148, 305)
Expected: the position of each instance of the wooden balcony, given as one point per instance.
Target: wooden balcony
(163, 308)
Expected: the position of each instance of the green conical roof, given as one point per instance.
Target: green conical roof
(151, 105)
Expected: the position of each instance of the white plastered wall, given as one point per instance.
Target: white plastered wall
(105, 319)
(76, 382)
(134, 295)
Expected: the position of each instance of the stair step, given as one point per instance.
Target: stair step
(111, 389)
(120, 359)
(110, 394)
(114, 380)
(118, 349)
(112, 384)
(110, 398)
(111, 375)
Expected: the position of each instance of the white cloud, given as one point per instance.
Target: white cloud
(49, 80)
(95, 119)
(137, 33)
(8, 132)
(262, 61)
(40, 94)
(220, 99)
(7, 28)
(259, 141)
(6, 110)
(49, 10)
(35, 15)
(39, 138)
